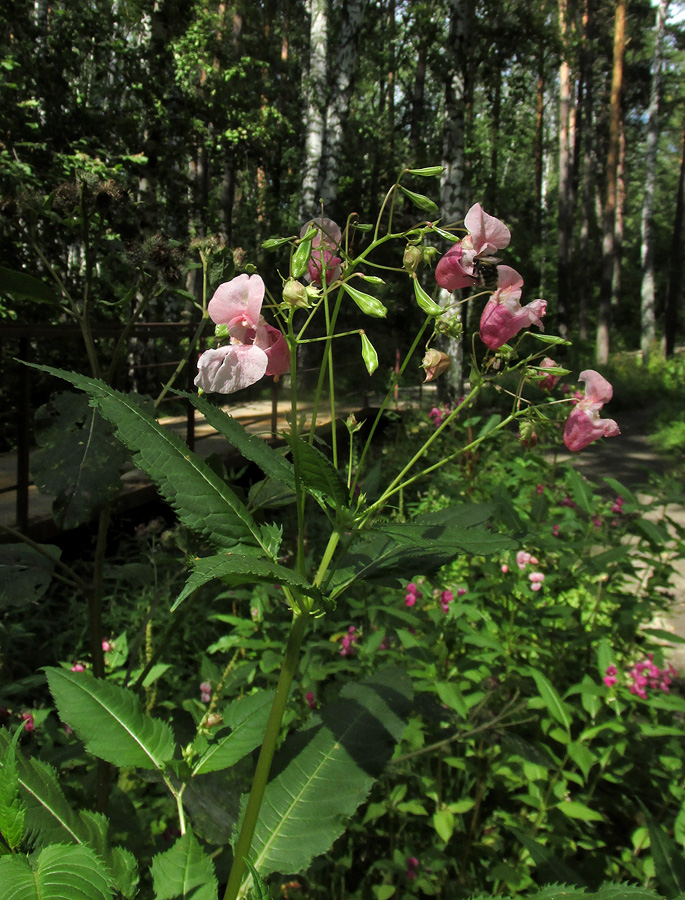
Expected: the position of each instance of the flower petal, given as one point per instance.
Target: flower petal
(452, 272)
(277, 352)
(583, 427)
(239, 298)
(598, 391)
(499, 322)
(487, 232)
(231, 368)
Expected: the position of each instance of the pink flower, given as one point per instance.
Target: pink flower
(205, 697)
(461, 591)
(503, 316)
(206, 687)
(522, 559)
(584, 425)
(412, 865)
(457, 268)
(77, 667)
(106, 647)
(505, 568)
(536, 579)
(555, 531)
(324, 245)
(550, 381)
(28, 718)
(255, 349)
(311, 699)
(348, 642)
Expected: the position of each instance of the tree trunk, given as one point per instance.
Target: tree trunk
(539, 135)
(453, 199)
(418, 106)
(315, 107)
(565, 219)
(585, 244)
(674, 297)
(608, 243)
(345, 69)
(647, 311)
(618, 227)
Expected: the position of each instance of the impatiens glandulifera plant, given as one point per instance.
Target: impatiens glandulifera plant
(286, 821)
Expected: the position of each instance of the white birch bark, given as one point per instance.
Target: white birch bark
(315, 107)
(344, 69)
(647, 313)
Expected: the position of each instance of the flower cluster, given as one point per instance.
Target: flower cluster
(523, 559)
(643, 676)
(348, 642)
(206, 691)
(437, 415)
(503, 316)
(413, 594)
(310, 697)
(412, 867)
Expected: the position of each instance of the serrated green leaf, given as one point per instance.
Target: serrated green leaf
(12, 808)
(574, 809)
(236, 569)
(25, 572)
(110, 720)
(669, 861)
(90, 459)
(247, 719)
(185, 872)
(58, 873)
(250, 446)
(553, 702)
(627, 892)
(203, 501)
(324, 773)
(318, 474)
(420, 201)
(580, 490)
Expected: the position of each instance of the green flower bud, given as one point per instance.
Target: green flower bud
(412, 257)
(295, 293)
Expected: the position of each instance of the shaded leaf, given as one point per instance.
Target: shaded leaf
(185, 871)
(57, 873)
(23, 286)
(25, 573)
(319, 476)
(553, 702)
(110, 720)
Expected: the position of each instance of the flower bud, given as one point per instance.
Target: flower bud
(412, 257)
(435, 363)
(295, 293)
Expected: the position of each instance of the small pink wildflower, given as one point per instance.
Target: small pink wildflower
(310, 697)
(412, 865)
(536, 579)
(555, 530)
(610, 677)
(206, 687)
(503, 316)
(446, 597)
(457, 268)
(597, 522)
(461, 591)
(550, 381)
(348, 642)
(28, 718)
(413, 594)
(107, 647)
(522, 559)
(438, 415)
(505, 568)
(540, 489)
(584, 425)
(77, 667)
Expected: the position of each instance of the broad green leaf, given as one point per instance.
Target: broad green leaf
(23, 286)
(25, 573)
(548, 866)
(12, 808)
(250, 446)
(443, 822)
(236, 569)
(203, 501)
(110, 720)
(319, 476)
(420, 201)
(58, 873)
(369, 305)
(580, 490)
(325, 772)
(185, 872)
(574, 809)
(451, 696)
(247, 719)
(79, 460)
(669, 860)
(553, 702)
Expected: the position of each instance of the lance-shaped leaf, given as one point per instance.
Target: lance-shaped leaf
(247, 719)
(57, 873)
(236, 569)
(669, 862)
(319, 476)
(184, 872)
(110, 720)
(251, 447)
(79, 460)
(550, 697)
(324, 773)
(12, 807)
(203, 501)
(23, 286)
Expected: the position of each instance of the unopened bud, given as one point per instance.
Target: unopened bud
(295, 293)
(435, 363)
(213, 719)
(412, 257)
(528, 436)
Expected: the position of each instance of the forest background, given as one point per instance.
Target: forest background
(189, 119)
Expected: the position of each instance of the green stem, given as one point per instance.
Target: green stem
(271, 734)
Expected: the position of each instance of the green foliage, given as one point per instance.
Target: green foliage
(25, 572)
(55, 873)
(185, 871)
(247, 719)
(110, 720)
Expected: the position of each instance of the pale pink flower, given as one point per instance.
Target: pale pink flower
(457, 268)
(550, 381)
(324, 245)
(77, 667)
(255, 349)
(584, 425)
(505, 568)
(503, 316)
(106, 647)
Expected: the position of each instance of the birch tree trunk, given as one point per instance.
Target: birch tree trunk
(315, 107)
(585, 245)
(564, 221)
(453, 198)
(608, 243)
(618, 226)
(647, 311)
(345, 68)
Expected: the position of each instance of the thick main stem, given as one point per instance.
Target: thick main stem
(273, 728)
